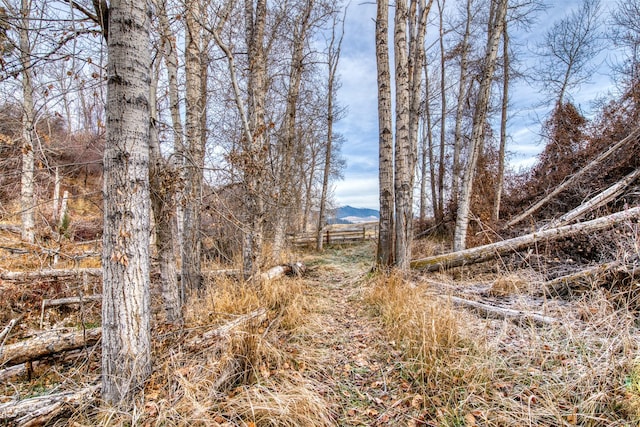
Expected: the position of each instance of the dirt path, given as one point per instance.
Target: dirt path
(357, 364)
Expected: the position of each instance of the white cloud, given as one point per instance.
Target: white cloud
(358, 191)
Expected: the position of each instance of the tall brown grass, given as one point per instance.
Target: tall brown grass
(476, 371)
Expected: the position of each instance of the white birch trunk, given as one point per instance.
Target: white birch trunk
(385, 250)
(126, 338)
(56, 196)
(479, 118)
(27, 181)
(409, 55)
(462, 96)
(503, 123)
(402, 180)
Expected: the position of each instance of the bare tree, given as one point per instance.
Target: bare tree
(333, 57)
(27, 201)
(439, 208)
(126, 338)
(193, 155)
(463, 79)
(503, 121)
(254, 153)
(496, 22)
(626, 33)
(568, 51)
(409, 56)
(301, 31)
(162, 181)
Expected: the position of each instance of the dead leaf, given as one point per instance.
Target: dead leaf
(470, 420)
(416, 401)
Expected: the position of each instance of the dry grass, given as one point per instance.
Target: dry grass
(475, 371)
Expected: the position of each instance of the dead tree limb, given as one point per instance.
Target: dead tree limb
(494, 250)
(504, 313)
(600, 199)
(588, 278)
(10, 228)
(47, 344)
(573, 178)
(7, 329)
(38, 411)
(49, 273)
(97, 272)
(70, 300)
(223, 331)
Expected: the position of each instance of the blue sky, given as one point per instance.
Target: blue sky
(358, 92)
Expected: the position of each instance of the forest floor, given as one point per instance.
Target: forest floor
(345, 346)
(354, 358)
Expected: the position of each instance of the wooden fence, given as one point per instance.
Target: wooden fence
(338, 234)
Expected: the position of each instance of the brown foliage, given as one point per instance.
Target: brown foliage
(572, 142)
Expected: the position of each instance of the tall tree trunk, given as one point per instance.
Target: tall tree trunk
(194, 151)
(27, 181)
(462, 97)
(503, 123)
(162, 180)
(424, 164)
(499, 9)
(255, 147)
(333, 58)
(170, 55)
(402, 168)
(429, 125)
(409, 53)
(385, 250)
(286, 174)
(439, 211)
(126, 338)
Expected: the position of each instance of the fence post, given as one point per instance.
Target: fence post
(328, 240)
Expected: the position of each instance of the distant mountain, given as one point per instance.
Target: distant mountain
(351, 215)
(347, 211)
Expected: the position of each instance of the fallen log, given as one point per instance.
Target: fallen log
(49, 273)
(47, 344)
(296, 268)
(572, 179)
(97, 272)
(595, 202)
(493, 250)
(46, 303)
(504, 313)
(21, 369)
(40, 410)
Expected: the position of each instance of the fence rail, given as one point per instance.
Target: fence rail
(338, 234)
